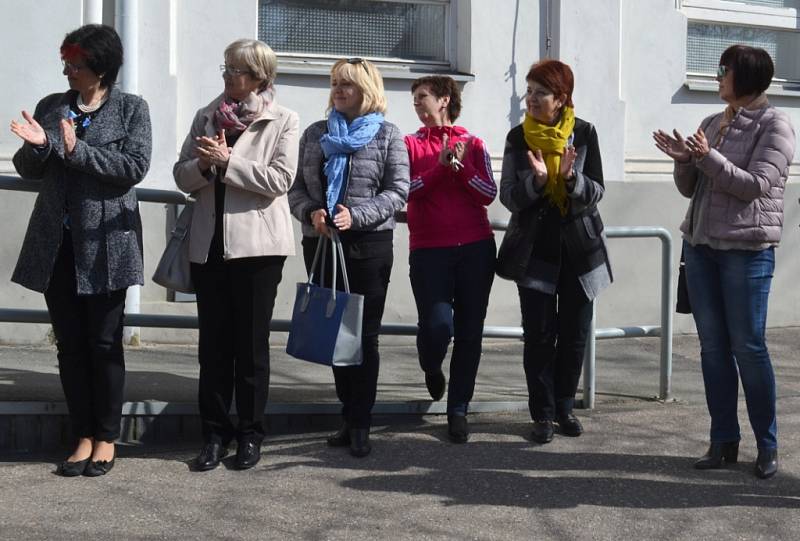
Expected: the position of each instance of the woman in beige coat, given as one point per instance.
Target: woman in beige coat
(238, 162)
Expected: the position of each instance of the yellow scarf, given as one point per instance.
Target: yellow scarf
(551, 140)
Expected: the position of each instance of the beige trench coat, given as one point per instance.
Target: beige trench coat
(256, 219)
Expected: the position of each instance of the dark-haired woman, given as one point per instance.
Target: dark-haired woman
(89, 146)
(452, 244)
(733, 169)
(552, 181)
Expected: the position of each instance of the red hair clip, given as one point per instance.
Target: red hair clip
(71, 50)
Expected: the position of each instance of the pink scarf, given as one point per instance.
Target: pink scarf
(234, 117)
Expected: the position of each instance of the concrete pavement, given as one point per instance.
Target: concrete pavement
(629, 476)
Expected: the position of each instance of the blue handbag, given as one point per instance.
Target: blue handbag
(326, 323)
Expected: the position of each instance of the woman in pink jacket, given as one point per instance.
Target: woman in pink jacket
(734, 168)
(452, 244)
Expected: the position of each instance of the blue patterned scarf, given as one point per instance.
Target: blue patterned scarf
(340, 141)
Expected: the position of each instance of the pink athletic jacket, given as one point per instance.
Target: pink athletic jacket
(448, 208)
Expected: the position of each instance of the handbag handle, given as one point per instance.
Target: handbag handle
(337, 252)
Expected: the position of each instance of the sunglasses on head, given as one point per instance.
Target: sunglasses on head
(358, 60)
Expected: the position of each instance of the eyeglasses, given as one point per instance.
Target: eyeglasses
(358, 60)
(722, 71)
(69, 67)
(230, 70)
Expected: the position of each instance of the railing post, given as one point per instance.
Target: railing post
(665, 381)
(589, 360)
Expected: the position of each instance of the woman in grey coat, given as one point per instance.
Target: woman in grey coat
(353, 177)
(89, 146)
(733, 169)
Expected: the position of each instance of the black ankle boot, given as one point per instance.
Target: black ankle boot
(341, 438)
(718, 453)
(359, 442)
(767, 463)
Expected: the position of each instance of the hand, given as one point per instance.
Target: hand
(674, 147)
(68, 135)
(318, 221)
(567, 169)
(536, 161)
(342, 219)
(30, 132)
(698, 144)
(445, 153)
(460, 149)
(213, 149)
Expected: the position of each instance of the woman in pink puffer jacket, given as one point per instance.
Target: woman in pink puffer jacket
(734, 169)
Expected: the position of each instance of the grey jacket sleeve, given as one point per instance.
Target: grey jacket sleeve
(516, 193)
(587, 187)
(30, 161)
(125, 165)
(393, 191)
(768, 162)
(300, 202)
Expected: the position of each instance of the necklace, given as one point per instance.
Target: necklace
(91, 108)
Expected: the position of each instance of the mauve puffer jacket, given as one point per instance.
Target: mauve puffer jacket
(376, 188)
(746, 172)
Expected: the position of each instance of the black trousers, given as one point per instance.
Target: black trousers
(451, 287)
(91, 363)
(235, 300)
(555, 329)
(369, 259)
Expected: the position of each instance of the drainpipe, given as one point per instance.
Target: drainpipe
(93, 12)
(127, 21)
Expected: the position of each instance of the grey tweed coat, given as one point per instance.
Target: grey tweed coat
(95, 186)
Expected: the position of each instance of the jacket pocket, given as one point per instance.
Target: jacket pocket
(593, 225)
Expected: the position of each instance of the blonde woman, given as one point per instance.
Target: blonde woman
(353, 177)
(238, 162)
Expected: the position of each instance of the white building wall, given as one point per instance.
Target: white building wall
(628, 58)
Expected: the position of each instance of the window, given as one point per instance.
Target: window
(388, 31)
(714, 25)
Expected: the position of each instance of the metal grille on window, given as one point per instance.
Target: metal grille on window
(405, 30)
(705, 44)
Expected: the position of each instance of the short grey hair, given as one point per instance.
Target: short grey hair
(259, 58)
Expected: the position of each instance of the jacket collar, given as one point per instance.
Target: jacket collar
(436, 132)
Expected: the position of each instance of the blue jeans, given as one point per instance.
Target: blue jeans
(451, 288)
(729, 290)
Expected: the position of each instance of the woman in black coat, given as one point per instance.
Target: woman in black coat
(554, 249)
(89, 146)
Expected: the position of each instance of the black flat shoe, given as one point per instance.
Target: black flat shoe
(96, 468)
(248, 454)
(359, 442)
(341, 438)
(717, 454)
(542, 431)
(569, 425)
(435, 383)
(209, 456)
(457, 428)
(766, 463)
(72, 469)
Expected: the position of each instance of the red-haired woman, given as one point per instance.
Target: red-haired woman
(552, 180)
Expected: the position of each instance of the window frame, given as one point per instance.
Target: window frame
(744, 15)
(391, 67)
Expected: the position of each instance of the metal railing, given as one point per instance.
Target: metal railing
(664, 331)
